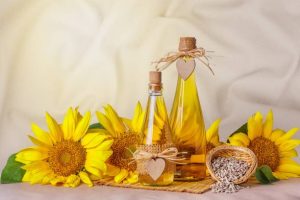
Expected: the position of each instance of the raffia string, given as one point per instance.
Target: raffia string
(171, 57)
(167, 154)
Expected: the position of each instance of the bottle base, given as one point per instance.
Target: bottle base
(190, 172)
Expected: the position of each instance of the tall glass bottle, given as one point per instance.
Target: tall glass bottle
(187, 123)
(156, 138)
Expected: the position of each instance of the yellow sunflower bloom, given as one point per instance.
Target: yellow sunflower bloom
(66, 155)
(274, 148)
(212, 136)
(126, 135)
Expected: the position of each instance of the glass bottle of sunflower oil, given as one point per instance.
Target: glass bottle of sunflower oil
(154, 167)
(187, 123)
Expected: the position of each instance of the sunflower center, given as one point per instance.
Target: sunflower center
(122, 148)
(266, 152)
(66, 158)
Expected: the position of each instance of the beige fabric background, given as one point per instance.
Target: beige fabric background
(55, 54)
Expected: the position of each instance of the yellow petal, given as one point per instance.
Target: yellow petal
(289, 168)
(89, 139)
(215, 141)
(104, 146)
(255, 126)
(72, 181)
(161, 109)
(36, 165)
(242, 138)
(280, 175)
(98, 155)
(85, 178)
(68, 125)
(289, 145)
(137, 113)
(93, 170)
(140, 122)
(95, 178)
(276, 134)
(30, 154)
(288, 161)
(285, 175)
(59, 180)
(47, 179)
(91, 134)
(39, 176)
(128, 123)
(76, 115)
(55, 130)
(258, 117)
(121, 176)
(132, 178)
(235, 142)
(116, 121)
(104, 121)
(213, 130)
(41, 135)
(96, 141)
(288, 154)
(268, 125)
(159, 122)
(26, 177)
(38, 142)
(95, 163)
(82, 127)
(286, 136)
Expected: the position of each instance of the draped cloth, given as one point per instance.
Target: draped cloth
(56, 54)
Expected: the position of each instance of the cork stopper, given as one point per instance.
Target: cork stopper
(155, 77)
(187, 43)
(155, 80)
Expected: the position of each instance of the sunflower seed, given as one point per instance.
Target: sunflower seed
(228, 170)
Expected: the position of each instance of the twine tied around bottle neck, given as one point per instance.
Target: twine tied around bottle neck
(167, 154)
(187, 48)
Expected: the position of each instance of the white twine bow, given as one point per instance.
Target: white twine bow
(198, 53)
(168, 154)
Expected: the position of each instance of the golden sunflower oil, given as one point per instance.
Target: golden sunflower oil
(188, 128)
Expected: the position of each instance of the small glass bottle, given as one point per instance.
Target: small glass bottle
(187, 123)
(156, 134)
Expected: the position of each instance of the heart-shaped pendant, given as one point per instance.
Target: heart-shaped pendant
(185, 68)
(155, 167)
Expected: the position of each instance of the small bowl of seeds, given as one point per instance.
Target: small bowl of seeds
(231, 164)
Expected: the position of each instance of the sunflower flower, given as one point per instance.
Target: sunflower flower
(126, 135)
(274, 148)
(66, 155)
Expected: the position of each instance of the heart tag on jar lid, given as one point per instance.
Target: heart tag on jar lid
(155, 167)
(185, 68)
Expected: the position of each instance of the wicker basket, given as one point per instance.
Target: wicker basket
(241, 153)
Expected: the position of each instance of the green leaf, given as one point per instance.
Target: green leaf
(12, 172)
(264, 175)
(243, 129)
(96, 125)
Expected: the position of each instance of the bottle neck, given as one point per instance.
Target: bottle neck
(155, 89)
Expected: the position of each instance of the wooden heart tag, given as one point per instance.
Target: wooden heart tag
(155, 167)
(185, 68)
